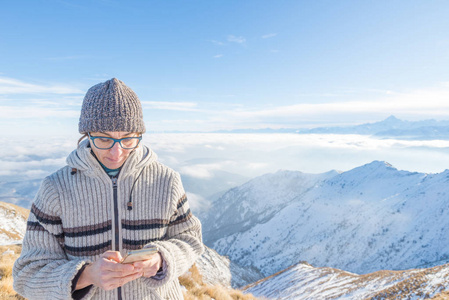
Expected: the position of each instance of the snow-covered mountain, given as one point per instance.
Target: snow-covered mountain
(256, 202)
(391, 127)
(371, 218)
(216, 269)
(303, 281)
(12, 223)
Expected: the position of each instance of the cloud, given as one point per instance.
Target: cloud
(250, 155)
(236, 39)
(198, 203)
(418, 104)
(270, 35)
(196, 172)
(343, 107)
(19, 112)
(14, 86)
(218, 56)
(203, 171)
(218, 43)
(254, 154)
(181, 106)
(33, 157)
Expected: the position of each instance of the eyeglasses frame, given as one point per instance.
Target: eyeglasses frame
(115, 141)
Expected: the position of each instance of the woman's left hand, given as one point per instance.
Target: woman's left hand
(150, 266)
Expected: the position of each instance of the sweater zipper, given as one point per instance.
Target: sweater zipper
(117, 226)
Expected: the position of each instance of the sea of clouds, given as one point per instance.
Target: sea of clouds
(211, 163)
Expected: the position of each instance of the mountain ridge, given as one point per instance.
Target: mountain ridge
(390, 127)
(370, 218)
(303, 281)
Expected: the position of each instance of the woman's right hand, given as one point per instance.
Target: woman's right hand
(108, 273)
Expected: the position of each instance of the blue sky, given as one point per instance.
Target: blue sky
(208, 65)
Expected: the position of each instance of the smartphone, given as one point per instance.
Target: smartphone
(138, 255)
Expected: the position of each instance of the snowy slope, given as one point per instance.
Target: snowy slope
(256, 202)
(371, 218)
(216, 269)
(12, 223)
(303, 281)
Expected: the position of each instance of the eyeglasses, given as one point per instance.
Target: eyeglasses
(105, 143)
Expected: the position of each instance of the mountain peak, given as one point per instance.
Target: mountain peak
(375, 166)
(392, 122)
(392, 118)
(380, 164)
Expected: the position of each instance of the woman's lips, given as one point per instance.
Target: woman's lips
(113, 160)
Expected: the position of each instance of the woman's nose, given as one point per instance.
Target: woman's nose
(116, 150)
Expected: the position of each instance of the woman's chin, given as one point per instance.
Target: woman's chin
(113, 165)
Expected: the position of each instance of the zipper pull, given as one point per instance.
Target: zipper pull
(114, 182)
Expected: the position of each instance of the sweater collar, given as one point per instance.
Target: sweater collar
(82, 160)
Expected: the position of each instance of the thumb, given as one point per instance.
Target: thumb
(112, 255)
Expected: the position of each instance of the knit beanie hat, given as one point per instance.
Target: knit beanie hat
(111, 106)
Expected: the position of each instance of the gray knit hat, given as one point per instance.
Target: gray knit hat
(111, 106)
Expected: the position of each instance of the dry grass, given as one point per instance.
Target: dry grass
(6, 263)
(216, 292)
(192, 281)
(197, 289)
(441, 296)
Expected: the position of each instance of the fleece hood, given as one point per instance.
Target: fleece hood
(83, 160)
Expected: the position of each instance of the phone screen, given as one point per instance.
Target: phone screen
(138, 255)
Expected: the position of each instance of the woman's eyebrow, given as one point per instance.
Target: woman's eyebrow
(111, 136)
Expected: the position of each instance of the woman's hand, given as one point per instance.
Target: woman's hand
(108, 273)
(150, 266)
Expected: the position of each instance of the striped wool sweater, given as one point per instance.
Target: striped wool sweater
(75, 218)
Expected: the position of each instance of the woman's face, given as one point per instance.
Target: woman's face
(115, 157)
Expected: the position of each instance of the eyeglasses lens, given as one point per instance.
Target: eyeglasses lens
(126, 143)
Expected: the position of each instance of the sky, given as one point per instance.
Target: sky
(223, 65)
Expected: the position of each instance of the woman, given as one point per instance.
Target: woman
(113, 196)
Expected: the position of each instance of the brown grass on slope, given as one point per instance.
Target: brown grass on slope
(197, 289)
(6, 263)
(441, 296)
(14, 209)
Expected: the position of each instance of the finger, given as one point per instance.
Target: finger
(110, 263)
(119, 281)
(149, 273)
(112, 255)
(113, 279)
(154, 259)
(121, 269)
